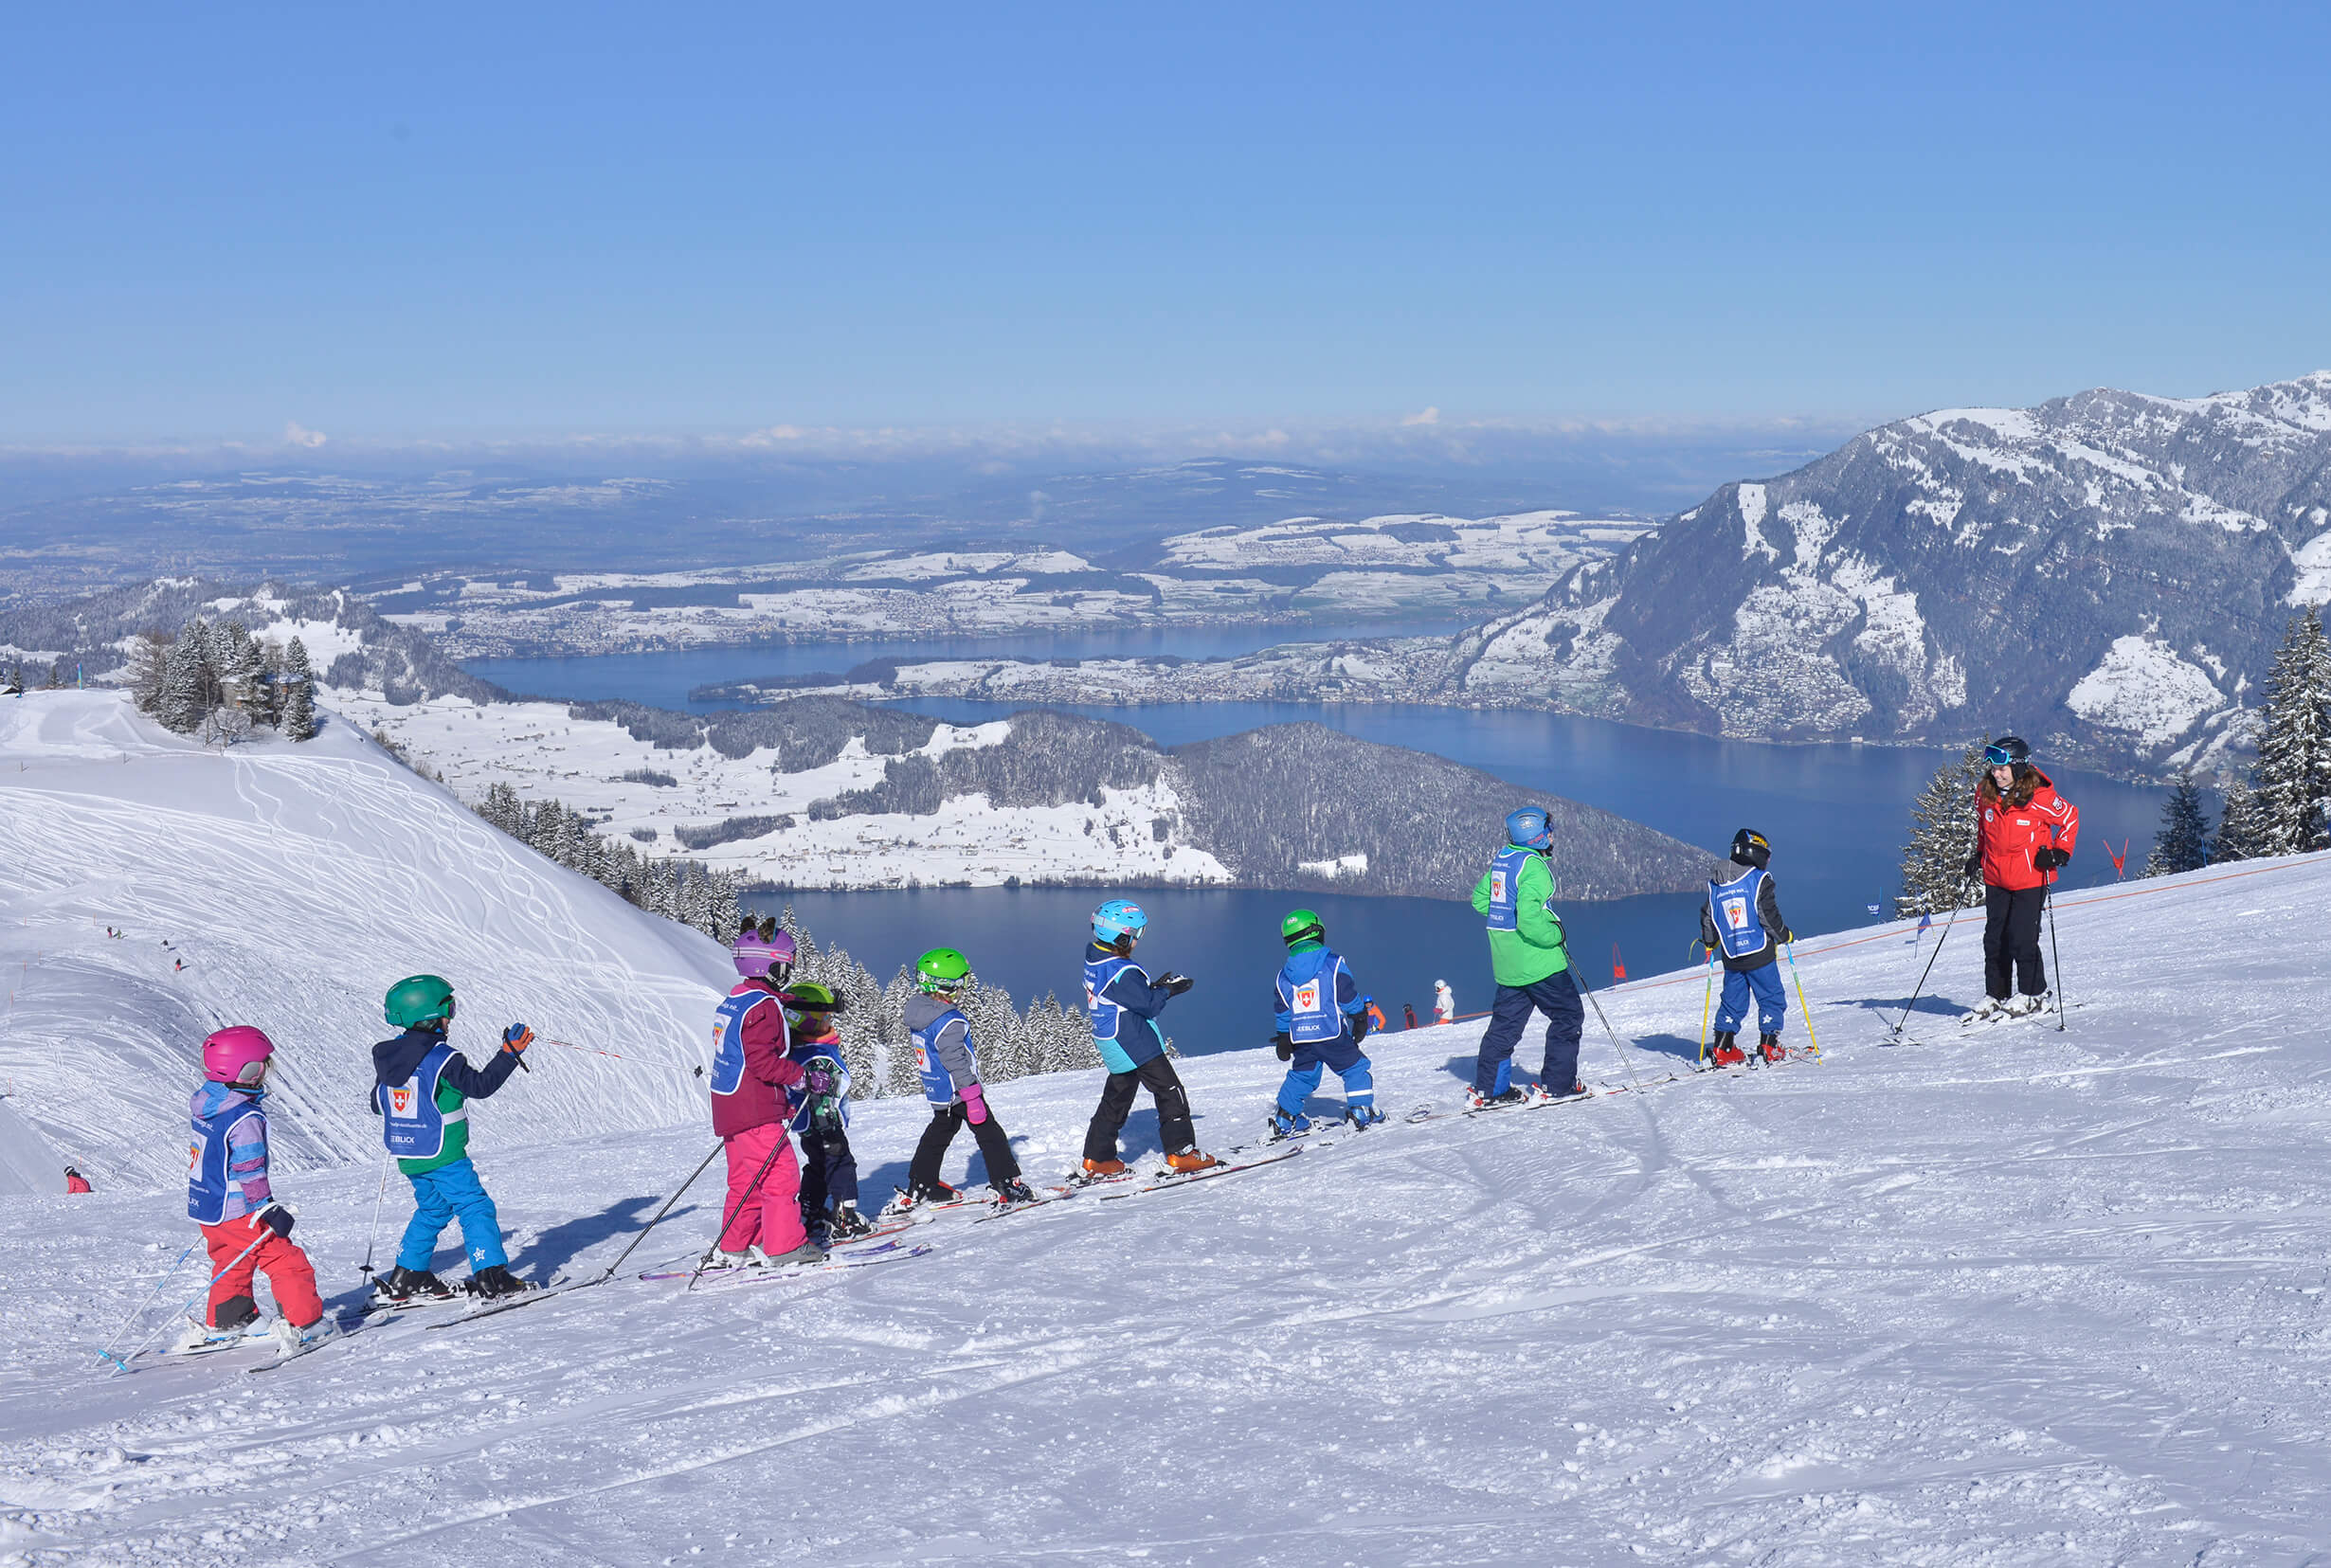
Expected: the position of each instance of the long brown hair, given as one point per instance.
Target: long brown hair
(2028, 781)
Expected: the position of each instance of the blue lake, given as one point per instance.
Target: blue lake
(1836, 816)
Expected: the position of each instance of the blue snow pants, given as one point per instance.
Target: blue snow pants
(438, 1196)
(1343, 1054)
(1557, 996)
(1772, 1001)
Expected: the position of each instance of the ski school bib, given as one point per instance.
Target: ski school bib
(938, 1085)
(1313, 1017)
(1104, 1015)
(729, 1037)
(1506, 888)
(1733, 906)
(411, 1123)
(206, 1174)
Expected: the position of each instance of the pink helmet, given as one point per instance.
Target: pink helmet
(229, 1054)
(756, 955)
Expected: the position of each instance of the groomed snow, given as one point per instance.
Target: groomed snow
(2017, 1297)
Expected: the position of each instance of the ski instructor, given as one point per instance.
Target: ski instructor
(1532, 962)
(2025, 833)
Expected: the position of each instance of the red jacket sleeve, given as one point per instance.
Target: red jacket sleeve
(2062, 816)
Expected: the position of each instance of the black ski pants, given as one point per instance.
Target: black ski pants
(2011, 940)
(829, 1171)
(1173, 1109)
(945, 1121)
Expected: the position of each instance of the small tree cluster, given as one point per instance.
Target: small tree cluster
(215, 680)
(2183, 842)
(686, 891)
(2292, 780)
(1934, 875)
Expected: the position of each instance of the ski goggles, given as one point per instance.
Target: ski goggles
(1998, 756)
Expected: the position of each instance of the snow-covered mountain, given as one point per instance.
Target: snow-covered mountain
(2012, 1298)
(2107, 574)
(287, 886)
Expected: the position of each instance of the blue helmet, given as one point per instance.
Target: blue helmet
(1528, 828)
(1115, 918)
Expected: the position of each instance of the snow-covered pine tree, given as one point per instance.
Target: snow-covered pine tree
(995, 1028)
(179, 705)
(2240, 835)
(149, 652)
(901, 1074)
(239, 686)
(2292, 740)
(296, 713)
(2183, 842)
(1934, 876)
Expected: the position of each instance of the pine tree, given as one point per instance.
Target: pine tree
(296, 712)
(2182, 843)
(148, 653)
(179, 705)
(2240, 834)
(1934, 875)
(239, 686)
(2293, 760)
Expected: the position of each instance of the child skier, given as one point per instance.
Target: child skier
(1529, 955)
(1122, 1003)
(421, 1090)
(1444, 1003)
(822, 1124)
(950, 1061)
(761, 1221)
(1741, 920)
(1322, 1019)
(75, 1181)
(245, 1229)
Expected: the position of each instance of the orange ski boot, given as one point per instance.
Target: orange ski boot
(1097, 1168)
(1191, 1159)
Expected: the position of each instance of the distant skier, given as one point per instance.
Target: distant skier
(1444, 1003)
(1322, 1018)
(1741, 920)
(421, 1090)
(821, 1121)
(1408, 1011)
(752, 1073)
(75, 1181)
(1530, 956)
(2025, 833)
(245, 1230)
(1122, 1005)
(949, 1060)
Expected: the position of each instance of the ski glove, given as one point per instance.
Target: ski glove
(2049, 859)
(1360, 1024)
(819, 1074)
(1283, 1045)
(1173, 984)
(516, 1038)
(974, 1104)
(1973, 869)
(277, 1217)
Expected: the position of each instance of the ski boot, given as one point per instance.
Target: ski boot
(1012, 1192)
(845, 1223)
(1727, 1051)
(1545, 1095)
(1287, 1123)
(1769, 1047)
(1100, 1170)
(290, 1341)
(200, 1339)
(1992, 1007)
(235, 1314)
(1363, 1117)
(1476, 1100)
(400, 1286)
(720, 1260)
(933, 1194)
(808, 1251)
(496, 1281)
(1189, 1160)
(2025, 1005)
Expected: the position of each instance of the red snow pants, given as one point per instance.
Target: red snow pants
(289, 1274)
(773, 1218)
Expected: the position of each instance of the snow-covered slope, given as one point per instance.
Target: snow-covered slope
(2017, 1297)
(295, 883)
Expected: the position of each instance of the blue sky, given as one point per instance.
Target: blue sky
(412, 222)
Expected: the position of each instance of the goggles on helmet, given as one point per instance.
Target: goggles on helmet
(1998, 756)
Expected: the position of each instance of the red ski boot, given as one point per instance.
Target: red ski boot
(1768, 1047)
(1727, 1051)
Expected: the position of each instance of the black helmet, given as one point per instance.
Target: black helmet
(1750, 848)
(2008, 751)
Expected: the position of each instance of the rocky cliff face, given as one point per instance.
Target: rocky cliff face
(2107, 574)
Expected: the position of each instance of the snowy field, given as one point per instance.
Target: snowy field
(2014, 1297)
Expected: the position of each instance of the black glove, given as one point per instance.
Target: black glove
(1788, 937)
(1973, 869)
(1284, 1046)
(1173, 984)
(2049, 859)
(1359, 1026)
(277, 1217)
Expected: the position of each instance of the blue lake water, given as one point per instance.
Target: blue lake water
(1836, 816)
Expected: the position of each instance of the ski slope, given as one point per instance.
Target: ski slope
(2014, 1297)
(295, 883)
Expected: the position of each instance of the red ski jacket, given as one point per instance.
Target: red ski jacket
(2032, 816)
(759, 1098)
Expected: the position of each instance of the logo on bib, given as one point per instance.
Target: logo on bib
(402, 1098)
(1497, 886)
(1307, 996)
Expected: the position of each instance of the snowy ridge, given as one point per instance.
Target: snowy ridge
(296, 883)
(2015, 1297)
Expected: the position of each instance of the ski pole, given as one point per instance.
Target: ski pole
(594, 1050)
(121, 1364)
(1920, 989)
(2057, 953)
(1708, 994)
(729, 1219)
(659, 1214)
(1624, 1060)
(373, 1236)
(147, 1300)
(1801, 1006)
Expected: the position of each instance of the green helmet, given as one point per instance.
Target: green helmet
(942, 969)
(1301, 926)
(809, 997)
(418, 999)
